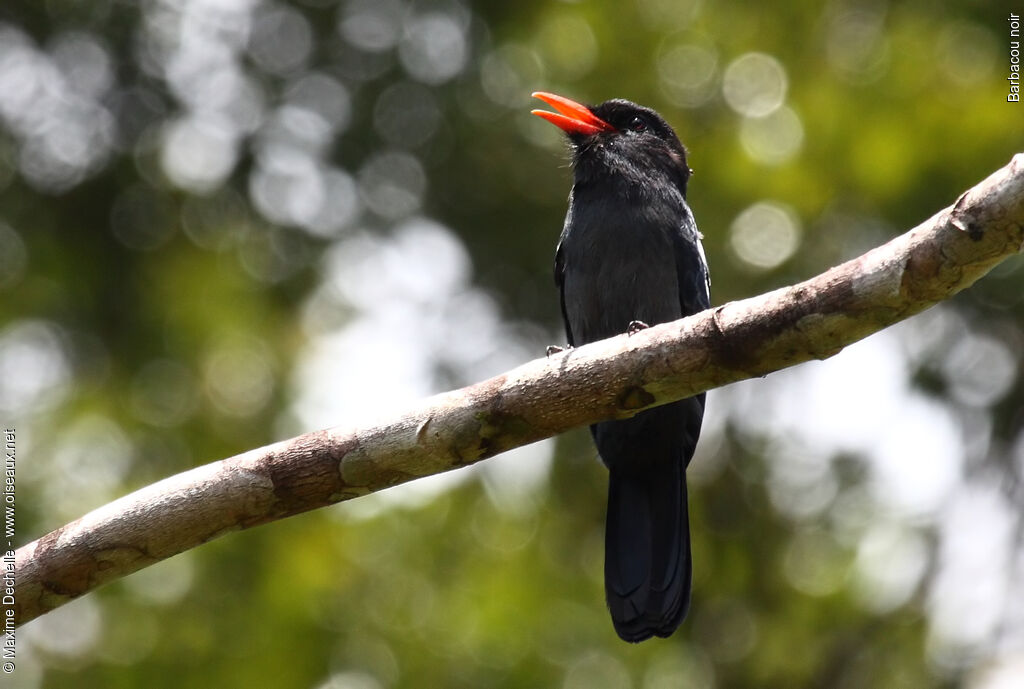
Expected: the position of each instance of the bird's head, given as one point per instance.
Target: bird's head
(618, 138)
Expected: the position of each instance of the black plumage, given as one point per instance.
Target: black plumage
(630, 251)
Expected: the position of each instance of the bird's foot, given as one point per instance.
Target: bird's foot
(636, 326)
(555, 349)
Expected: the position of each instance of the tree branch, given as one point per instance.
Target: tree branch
(614, 378)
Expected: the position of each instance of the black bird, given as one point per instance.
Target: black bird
(630, 255)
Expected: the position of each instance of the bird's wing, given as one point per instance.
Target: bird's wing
(692, 268)
(560, 283)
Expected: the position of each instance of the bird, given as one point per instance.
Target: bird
(630, 256)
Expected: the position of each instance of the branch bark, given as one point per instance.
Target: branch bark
(614, 378)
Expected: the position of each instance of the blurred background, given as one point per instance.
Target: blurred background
(226, 222)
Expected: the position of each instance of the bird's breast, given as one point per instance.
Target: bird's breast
(619, 267)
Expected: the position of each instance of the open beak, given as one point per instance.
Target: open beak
(572, 117)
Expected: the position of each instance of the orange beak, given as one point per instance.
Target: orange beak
(572, 117)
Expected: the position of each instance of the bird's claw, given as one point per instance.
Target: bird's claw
(636, 326)
(555, 349)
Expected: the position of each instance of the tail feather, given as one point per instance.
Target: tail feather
(647, 569)
(647, 552)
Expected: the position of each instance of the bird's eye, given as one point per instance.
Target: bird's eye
(638, 125)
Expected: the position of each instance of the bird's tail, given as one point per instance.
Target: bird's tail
(647, 568)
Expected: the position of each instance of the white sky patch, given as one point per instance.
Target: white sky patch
(755, 84)
(917, 461)
(71, 631)
(403, 306)
(972, 589)
(35, 374)
(765, 235)
(860, 402)
(890, 563)
(513, 480)
(1006, 673)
